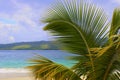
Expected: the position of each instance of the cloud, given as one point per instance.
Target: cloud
(12, 39)
(26, 27)
(9, 27)
(25, 14)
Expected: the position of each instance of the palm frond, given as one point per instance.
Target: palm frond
(90, 19)
(116, 39)
(115, 25)
(82, 29)
(46, 69)
(115, 76)
(69, 35)
(78, 25)
(107, 63)
(73, 32)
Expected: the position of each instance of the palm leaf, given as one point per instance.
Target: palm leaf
(78, 25)
(90, 19)
(46, 69)
(73, 32)
(82, 28)
(107, 63)
(115, 25)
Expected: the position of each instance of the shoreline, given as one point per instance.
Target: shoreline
(15, 74)
(14, 70)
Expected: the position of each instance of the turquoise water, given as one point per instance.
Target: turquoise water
(19, 58)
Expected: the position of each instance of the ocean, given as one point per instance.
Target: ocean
(20, 58)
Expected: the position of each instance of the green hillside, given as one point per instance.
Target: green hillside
(38, 45)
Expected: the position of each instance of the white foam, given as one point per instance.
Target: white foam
(13, 70)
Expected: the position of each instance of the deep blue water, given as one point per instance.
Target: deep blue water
(19, 58)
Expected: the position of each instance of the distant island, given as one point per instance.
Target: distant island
(37, 45)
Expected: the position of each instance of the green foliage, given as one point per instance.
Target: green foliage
(38, 45)
(46, 69)
(83, 29)
(21, 47)
(115, 25)
(44, 46)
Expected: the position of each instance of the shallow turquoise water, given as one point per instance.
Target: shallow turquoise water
(19, 58)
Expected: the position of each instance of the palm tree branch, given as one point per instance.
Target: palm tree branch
(107, 60)
(109, 67)
(90, 18)
(115, 25)
(77, 29)
(44, 68)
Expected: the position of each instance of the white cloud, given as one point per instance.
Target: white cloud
(25, 14)
(10, 27)
(26, 25)
(11, 39)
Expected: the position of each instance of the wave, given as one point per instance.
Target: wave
(14, 70)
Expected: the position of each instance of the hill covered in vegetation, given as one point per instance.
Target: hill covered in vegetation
(37, 45)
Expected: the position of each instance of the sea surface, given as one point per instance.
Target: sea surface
(20, 58)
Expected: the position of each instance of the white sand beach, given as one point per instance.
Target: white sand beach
(18, 78)
(15, 74)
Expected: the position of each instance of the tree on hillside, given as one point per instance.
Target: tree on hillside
(83, 29)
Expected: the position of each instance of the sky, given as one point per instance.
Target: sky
(20, 19)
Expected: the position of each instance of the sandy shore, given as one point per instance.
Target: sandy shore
(19, 78)
(15, 74)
